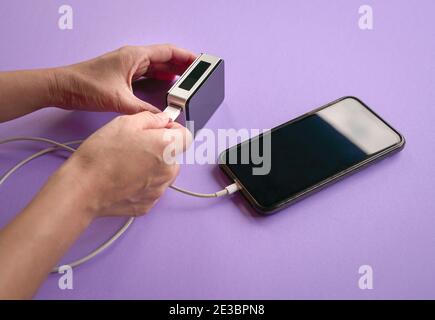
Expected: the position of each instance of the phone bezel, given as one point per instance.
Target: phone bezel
(326, 182)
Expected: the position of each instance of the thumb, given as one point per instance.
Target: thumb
(131, 104)
(151, 120)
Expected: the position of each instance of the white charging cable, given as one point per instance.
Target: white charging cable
(67, 146)
(173, 112)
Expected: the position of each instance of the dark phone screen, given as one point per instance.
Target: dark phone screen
(194, 75)
(308, 151)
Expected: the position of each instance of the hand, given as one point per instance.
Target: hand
(121, 168)
(105, 83)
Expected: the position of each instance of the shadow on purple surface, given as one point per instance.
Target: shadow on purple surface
(152, 91)
(75, 125)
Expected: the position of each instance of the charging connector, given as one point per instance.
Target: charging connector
(232, 188)
(172, 112)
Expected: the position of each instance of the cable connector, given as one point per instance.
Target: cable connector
(172, 112)
(228, 190)
(232, 188)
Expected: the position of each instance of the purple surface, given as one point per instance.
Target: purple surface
(282, 59)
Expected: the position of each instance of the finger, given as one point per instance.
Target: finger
(151, 120)
(162, 54)
(160, 75)
(165, 53)
(132, 104)
(164, 76)
(159, 69)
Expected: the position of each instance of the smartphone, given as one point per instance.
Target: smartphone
(309, 153)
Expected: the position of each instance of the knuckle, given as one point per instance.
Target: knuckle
(122, 120)
(138, 210)
(159, 192)
(169, 45)
(167, 173)
(165, 142)
(125, 49)
(152, 196)
(141, 208)
(172, 172)
(175, 169)
(126, 55)
(124, 124)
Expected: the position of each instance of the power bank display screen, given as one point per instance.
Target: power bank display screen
(194, 75)
(308, 151)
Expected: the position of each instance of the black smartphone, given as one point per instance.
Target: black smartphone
(297, 158)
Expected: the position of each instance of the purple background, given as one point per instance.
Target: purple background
(283, 58)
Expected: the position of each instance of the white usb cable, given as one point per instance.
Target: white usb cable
(173, 113)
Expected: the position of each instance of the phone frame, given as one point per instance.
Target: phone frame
(322, 184)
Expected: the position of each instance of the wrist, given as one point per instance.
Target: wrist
(74, 192)
(58, 79)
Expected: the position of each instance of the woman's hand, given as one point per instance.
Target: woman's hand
(105, 83)
(100, 84)
(119, 170)
(124, 165)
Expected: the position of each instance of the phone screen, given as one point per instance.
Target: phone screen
(308, 152)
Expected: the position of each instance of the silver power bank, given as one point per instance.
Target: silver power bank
(199, 91)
